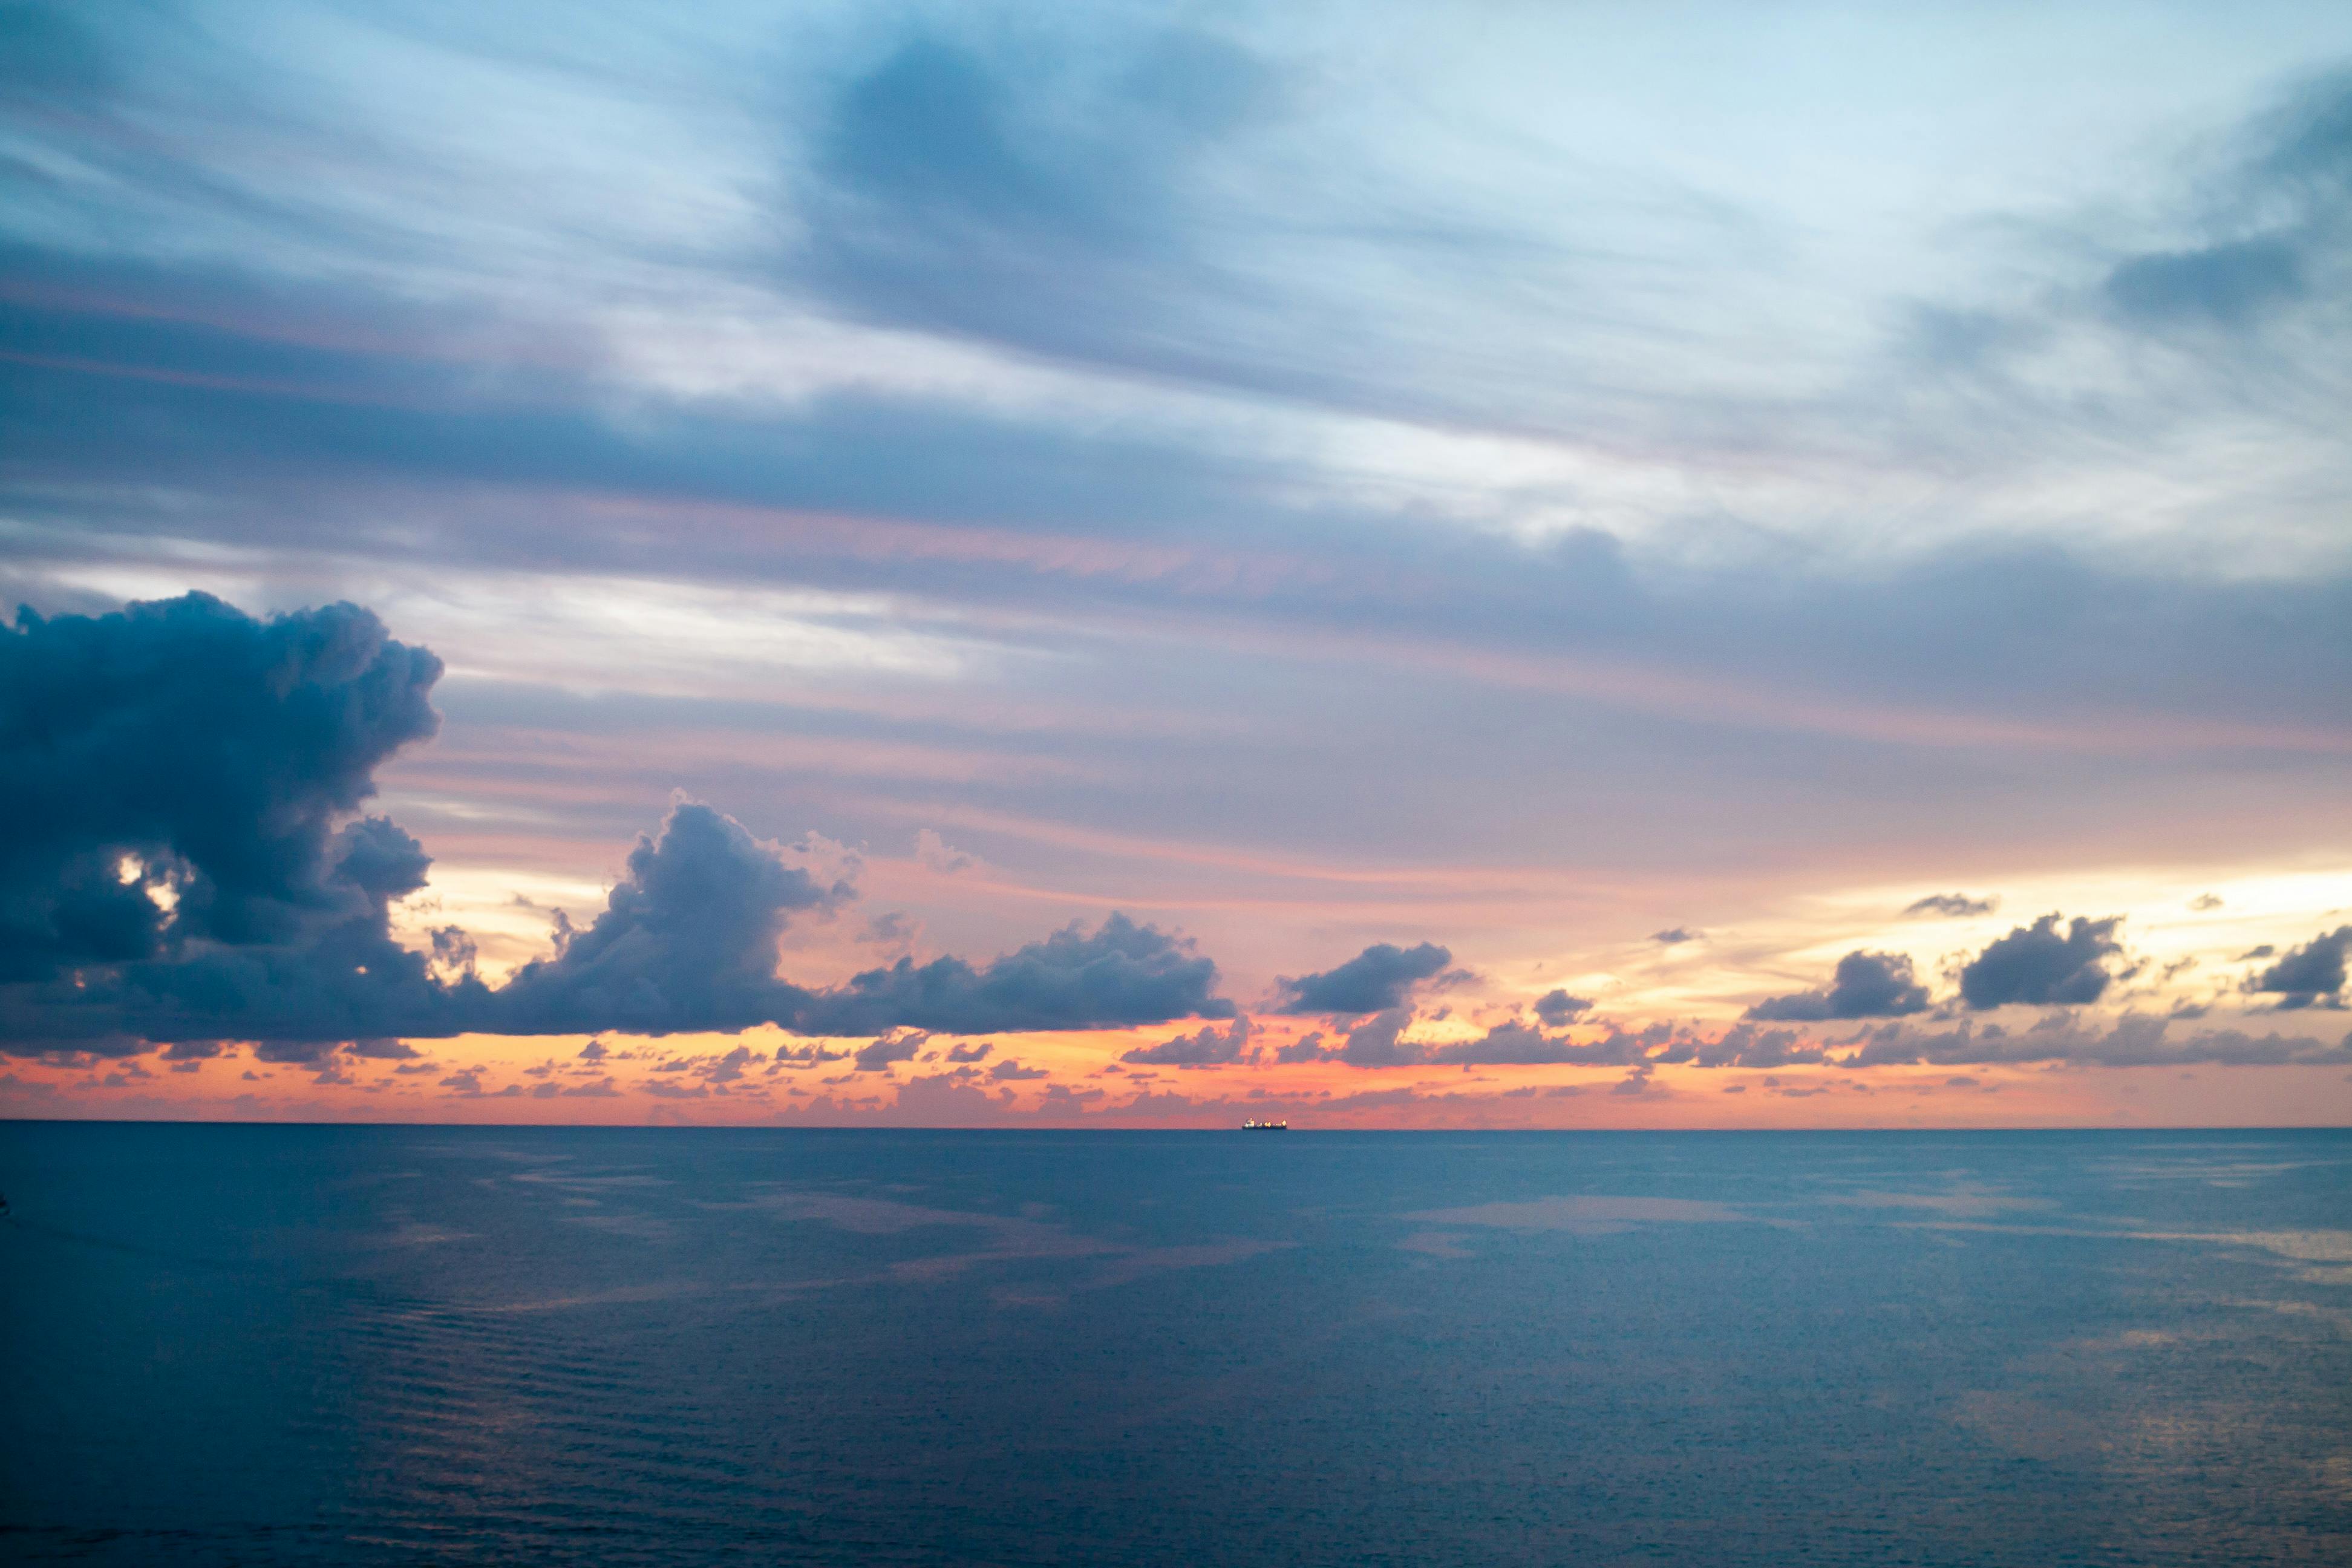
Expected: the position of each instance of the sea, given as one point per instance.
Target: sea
(307, 1344)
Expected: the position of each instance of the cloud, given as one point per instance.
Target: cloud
(1557, 1007)
(897, 1046)
(1374, 1043)
(1674, 936)
(934, 854)
(2228, 283)
(1306, 1048)
(2039, 966)
(1375, 980)
(1955, 906)
(183, 752)
(172, 871)
(971, 1052)
(2277, 234)
(1745, 1046)
(687, 940)
(1868, 986)
(2135, 1040)
(1120, 975)
(1208, 1047)
(2310, 975)
(1035, 203)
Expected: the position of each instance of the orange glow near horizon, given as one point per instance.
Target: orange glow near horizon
(730, 1081)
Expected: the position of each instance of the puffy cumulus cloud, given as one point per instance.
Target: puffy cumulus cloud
(686, 939)
(1557, 1007)
(1375, 981)
(2040, 965)
(1866, 985)
(1207, 1046)
(2311, 975)
(2132, 1041)
(172, 772)
(1120, 975)
(1952, 906)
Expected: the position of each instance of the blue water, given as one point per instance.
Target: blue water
(260, 1345)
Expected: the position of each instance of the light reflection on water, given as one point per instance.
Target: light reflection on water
(359, 1345)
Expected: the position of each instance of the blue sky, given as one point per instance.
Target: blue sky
(1513, 477)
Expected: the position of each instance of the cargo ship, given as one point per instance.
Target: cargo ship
(1265, 1126)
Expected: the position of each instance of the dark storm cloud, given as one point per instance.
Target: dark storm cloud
(2040, 966)
(1120, 973)
(1375, 980)
(1866, 985)
(1207, 1046)
(340, 978)
(2312, 976)
(1953, 905)
(216, 749)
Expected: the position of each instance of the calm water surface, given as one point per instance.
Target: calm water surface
(262, 1345)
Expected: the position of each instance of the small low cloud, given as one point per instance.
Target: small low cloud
(897, 1046)
(2312, 976)
(1374, 981)
(1557, 1007)
(1207, 1046)
(1866, 985)
(1952, 906)
(1306, 1048)
(2041, 965)
(1674, 936)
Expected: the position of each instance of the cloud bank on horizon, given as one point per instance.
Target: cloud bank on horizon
(1396, 510)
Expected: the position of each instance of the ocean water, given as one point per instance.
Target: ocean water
(362, 1345)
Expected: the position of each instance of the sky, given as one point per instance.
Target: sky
(1502, 564)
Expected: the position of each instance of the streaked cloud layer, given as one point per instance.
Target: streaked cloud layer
(1208, 558)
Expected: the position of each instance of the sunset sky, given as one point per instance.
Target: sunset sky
(1496, 564)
